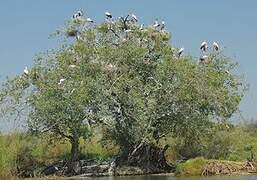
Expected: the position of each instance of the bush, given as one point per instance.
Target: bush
(218, 145)
(8, 152)
(22, 154)
(95, 150)
(192, 167)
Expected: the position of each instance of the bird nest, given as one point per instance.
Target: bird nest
(71, 32)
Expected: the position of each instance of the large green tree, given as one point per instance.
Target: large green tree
(127, 78)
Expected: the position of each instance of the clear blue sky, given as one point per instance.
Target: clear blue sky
(26, 26)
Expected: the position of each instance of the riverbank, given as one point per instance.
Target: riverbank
(193, 167)
(24, 155)
(204, 167)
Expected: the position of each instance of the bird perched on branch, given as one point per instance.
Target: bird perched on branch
(141, 27)
(204, 46)
(156, 24)
(215, 46)
(26, 71)
(80, 13)
(89, 20)
(162, 25)
(77, 15)
(134, 17)
(203, 58)
(180, 52)
(108, 15)
(61, 81)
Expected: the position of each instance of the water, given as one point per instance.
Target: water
(165, 177)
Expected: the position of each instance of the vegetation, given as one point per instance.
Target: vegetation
(26, 155)
(128, 86)
(192, 167)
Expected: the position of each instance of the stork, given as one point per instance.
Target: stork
(80, 13)
(180, 51)
(72, 66)
(134, 17)
(128, 30)
(74, 16)
(156, 24)
(108, 15)
(26, 71)
(216, 46)
(72, 90)
(77, 15)
(203, 58)
(89, 20)
(204, 46)
(163, 25)
(141, 27)
(61, 81)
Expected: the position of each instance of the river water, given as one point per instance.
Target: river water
(165, 177)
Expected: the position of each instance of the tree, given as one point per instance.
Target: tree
(130, 80)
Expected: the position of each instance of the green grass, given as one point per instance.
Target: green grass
(31, 153)
(192, 167)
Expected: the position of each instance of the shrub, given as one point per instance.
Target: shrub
(192, 167)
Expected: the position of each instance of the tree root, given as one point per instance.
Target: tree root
(148, 157)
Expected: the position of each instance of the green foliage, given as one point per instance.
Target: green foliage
(233, 143)
(219, 145)
(93, 149)
(8, 153)
(23, 154)
(192, 167)
(26, 155)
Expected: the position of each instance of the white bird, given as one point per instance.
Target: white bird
(134, 17)
(216, 46)
(61, 81)
(90, 20)
(72, 91)
(163, 25)
(203, 58)
(141, 27)
(180, 51)
(156, 24)
(72, 66)
(80, 13)
(26, 71)
(204, 46)
(75, 16)
(108, 14)
(227, 72)
(128, 30)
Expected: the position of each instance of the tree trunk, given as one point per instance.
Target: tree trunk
(74, 166)
(150, 158)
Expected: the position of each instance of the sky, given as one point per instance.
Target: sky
(26, 25)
